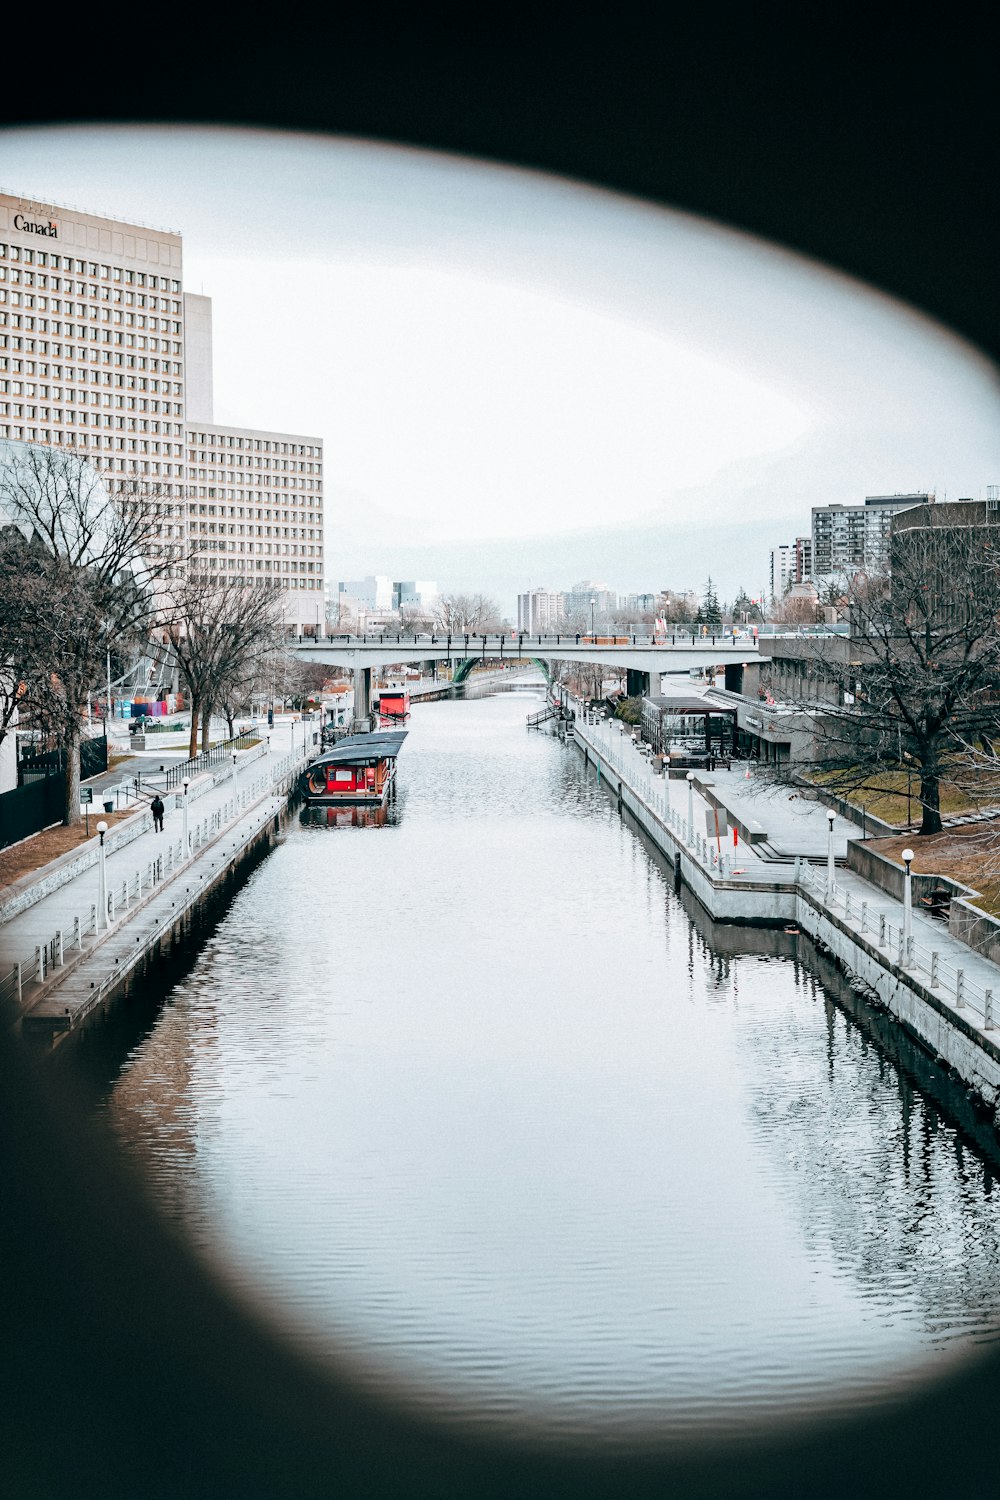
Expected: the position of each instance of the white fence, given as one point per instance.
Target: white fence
(943, 973)
(123, 894)
(616, 748)
(903, 953)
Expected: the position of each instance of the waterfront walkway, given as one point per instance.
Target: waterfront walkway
(52, 922)
(793, 857)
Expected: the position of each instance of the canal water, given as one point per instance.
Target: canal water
(468, 1097)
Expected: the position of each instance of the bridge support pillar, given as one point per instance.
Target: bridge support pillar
(637, 684)
(362, 694)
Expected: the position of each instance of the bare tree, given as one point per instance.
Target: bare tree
(223, 635)
(95, 561)
(917, 685)
(416, 619)
(17, 568)
(794, 609)
(467, 614)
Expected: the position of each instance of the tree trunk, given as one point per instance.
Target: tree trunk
(193, 738)
(206, 728)
(71, 776)
(930, 801)
(231, 722)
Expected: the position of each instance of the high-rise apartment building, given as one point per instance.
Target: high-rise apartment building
(539, 612)
(803, 559)
(791, 563)
(846, 538)
(578, 599)
(103, 354)
(782, 569)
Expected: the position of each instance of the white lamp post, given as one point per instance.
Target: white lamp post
(185, 784)
(690, 782)
(907, 907)
(102, 881)
(831, 878)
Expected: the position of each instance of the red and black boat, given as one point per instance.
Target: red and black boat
(358, 771)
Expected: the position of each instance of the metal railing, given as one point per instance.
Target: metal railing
(191, 768)
(900, 953)
(944, 974)
(634, 771)
(67, 941)
(10, 990)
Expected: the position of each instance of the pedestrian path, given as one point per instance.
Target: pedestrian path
(910, 943)
(56, 931)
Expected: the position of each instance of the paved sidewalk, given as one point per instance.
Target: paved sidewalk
(75, 901)
(794, 825)
(799, 828)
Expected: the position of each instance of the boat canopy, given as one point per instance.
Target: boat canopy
(359, 749)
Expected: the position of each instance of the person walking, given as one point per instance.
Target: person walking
(157, 809)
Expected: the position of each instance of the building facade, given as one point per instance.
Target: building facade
(782, 571)
(416, 594)
(578, 599)
(104, 355)
(846, 538)
(791, 563)
(92, 345)
(255, 508)
(539, 612)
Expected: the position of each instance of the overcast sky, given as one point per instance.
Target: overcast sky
(520, 380)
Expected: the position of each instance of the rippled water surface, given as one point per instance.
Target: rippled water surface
(469, 1096)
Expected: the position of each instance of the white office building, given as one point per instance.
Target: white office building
(103, 354)
(255, 508)
(92, 344)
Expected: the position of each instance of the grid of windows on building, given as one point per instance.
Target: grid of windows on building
(94, 359)
(92, 346)
(255, 507)
(849, 537)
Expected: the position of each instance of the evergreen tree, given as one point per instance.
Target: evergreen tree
(709, 610)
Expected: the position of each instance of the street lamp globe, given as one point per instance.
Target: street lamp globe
(102, 829)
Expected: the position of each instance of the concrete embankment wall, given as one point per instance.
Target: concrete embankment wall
(954, 1037)
(765, 904)
(95, 978)
(30, 889)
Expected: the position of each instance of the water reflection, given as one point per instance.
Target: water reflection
(348, 817)
(487, 1106)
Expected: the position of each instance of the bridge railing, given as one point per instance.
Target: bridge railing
(473, 643)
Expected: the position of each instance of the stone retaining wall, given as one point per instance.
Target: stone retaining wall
(59, 872)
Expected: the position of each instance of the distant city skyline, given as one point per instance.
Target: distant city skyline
(521, 380)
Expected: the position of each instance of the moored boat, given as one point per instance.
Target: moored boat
(359, 770)
(393, 705)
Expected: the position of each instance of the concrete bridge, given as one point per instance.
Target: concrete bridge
(646, 660)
